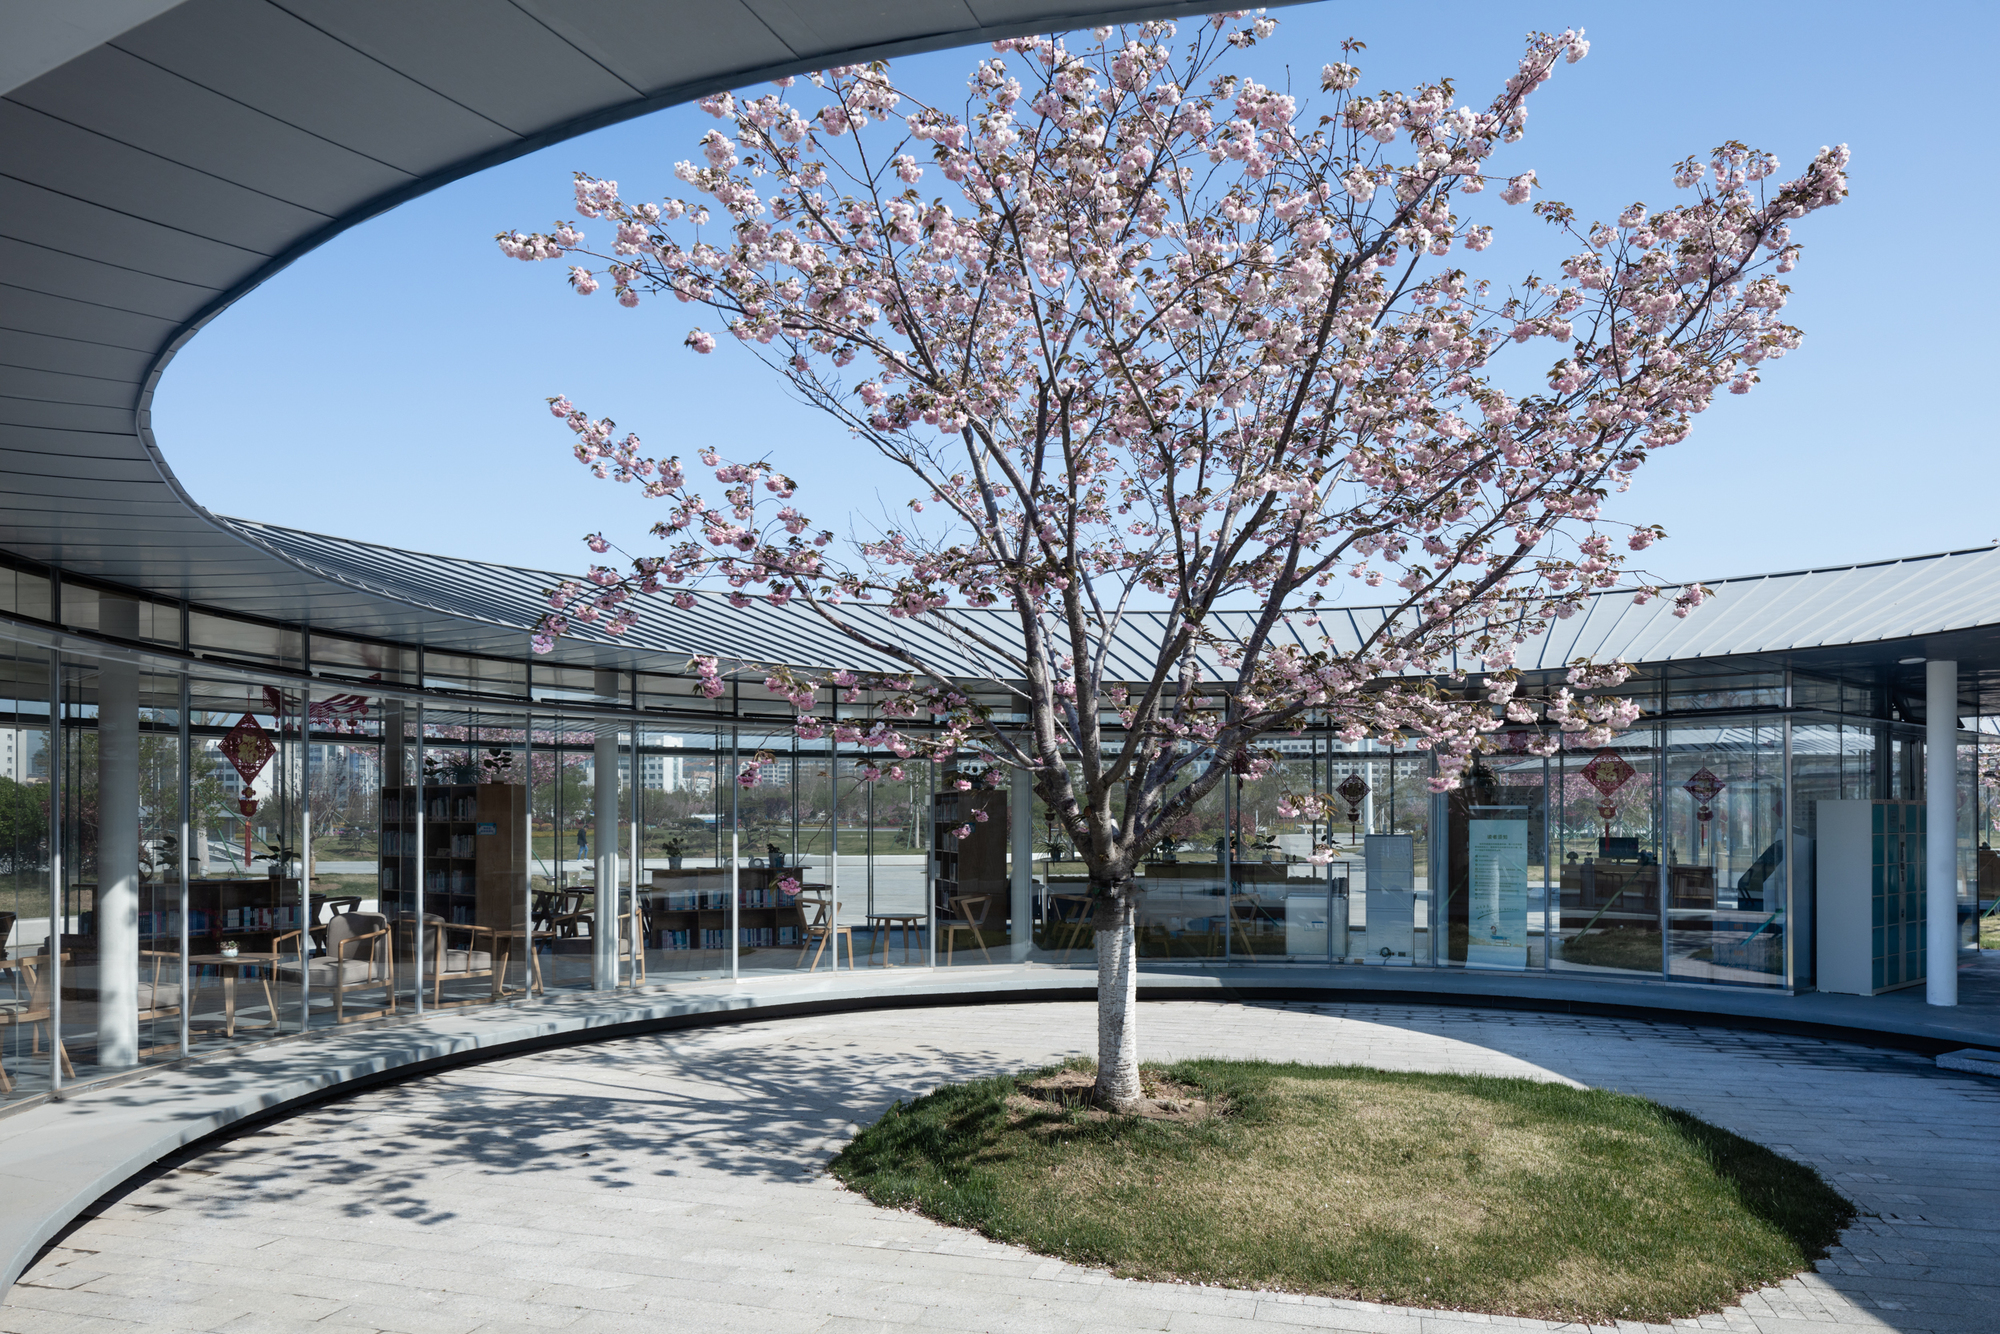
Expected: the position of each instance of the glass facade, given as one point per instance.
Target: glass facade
(215, 832)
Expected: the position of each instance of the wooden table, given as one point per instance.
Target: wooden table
(234, 965)
(888, 922)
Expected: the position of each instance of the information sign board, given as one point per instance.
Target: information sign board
(1496, 858)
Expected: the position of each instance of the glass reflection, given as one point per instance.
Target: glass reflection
(1607, 914)
(1726, 852)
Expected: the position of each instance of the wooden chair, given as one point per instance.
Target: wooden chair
(452, 953)
(632, 942)
(33, 1013)
(1245, 909)
(816, 913)
(323, 908)
(160, 994)
(1077, 928)
(579, 927)
(360, 956)
(967, 913)
(560, 912)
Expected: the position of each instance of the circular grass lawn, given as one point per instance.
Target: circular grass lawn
(1506, 1196)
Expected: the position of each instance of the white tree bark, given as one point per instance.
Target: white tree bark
(1117, 1003)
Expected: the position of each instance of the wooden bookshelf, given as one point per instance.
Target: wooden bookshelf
(252, 911)
(474, 853)
(688, 909)
(974, 865)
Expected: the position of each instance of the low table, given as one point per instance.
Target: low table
(232, 965)
(885, 922)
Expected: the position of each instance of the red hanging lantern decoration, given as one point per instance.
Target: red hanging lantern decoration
(1704, 787)
(1607, 772)
(248, 749)
(1352, 790)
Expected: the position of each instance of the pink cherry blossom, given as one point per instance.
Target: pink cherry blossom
(1164, 341)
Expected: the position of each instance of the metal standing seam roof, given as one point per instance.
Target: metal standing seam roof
(1772, 616)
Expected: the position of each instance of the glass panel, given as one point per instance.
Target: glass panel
(685, 847)
(1737, 691)
(1968, 866)
(450, 671)
(563, 868)
(25, 974)
(1986, 887)
(120, 980)
(244, 641)
(1607, 917)
(159, 985)
(1497, 836)
(452, 817)
(970, 870)
(362, 660)
(1269, 861)
(1184, 913)
(1725, 853)
(24, 594)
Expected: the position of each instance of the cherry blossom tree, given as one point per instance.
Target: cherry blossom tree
(1154, 342)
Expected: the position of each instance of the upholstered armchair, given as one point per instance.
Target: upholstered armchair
(360, 957)
(454, 952)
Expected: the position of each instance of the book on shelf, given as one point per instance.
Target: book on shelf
(284, 917)
(167, 923)
(442, 880)
(693, 900)
(715, 938)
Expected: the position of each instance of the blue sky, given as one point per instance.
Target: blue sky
(390, 386)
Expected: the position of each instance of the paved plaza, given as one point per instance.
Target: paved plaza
(674, 1182)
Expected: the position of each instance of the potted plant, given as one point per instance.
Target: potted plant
(777, 858)
(675, 848)
(229, 949)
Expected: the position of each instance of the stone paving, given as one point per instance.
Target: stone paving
(673, 1182)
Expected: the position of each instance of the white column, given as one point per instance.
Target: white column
(117, 907)
(604, 921)
(1941, 832)
(1021, 885)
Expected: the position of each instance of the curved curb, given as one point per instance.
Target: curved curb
(58, 1158)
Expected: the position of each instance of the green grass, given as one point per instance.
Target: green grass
(1497, 1195)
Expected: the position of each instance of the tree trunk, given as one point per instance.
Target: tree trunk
(1117, 1000)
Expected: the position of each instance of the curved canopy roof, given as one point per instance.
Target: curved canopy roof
(160, 159)
(1856, 620)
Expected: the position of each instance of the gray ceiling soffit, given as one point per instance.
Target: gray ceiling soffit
(41, 36)
(159, 160)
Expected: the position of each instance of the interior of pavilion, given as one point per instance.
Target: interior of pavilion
(221, 832)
